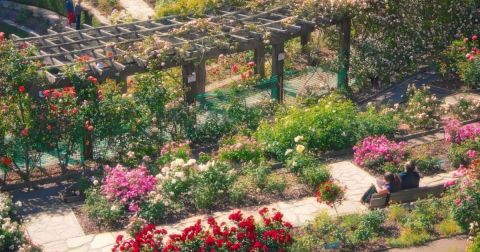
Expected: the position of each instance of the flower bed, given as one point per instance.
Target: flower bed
(273, 234)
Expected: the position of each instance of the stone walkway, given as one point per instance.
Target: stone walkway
(138, 9)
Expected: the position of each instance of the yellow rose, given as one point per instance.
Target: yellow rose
(300, 148)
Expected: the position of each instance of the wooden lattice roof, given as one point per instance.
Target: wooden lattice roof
(106, 49)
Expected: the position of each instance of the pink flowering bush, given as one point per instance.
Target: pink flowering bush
(456, 133)
(375, 151)
(128, 187)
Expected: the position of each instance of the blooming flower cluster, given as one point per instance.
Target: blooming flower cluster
(128, 187)
(274, 234)
(374, 151)
(456, 133)
(330, 193)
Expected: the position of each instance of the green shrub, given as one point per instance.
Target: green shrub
(428, 164)
(397, 213)
(276, 184)
(212, 185)
(152, 212)
(467, 210)
(240, 149)
(368, 227)
(373, 123)
(331, 124)
(101, 209)
(409, 238)
(298, 162)
(474, 246)
(448, 227)
(458, 152)
(258, 174)
(313, 176)
(391, 167)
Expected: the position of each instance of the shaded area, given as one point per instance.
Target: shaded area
(42, 198)
(397, 93)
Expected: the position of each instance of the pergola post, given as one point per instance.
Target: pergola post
(304, 39)
(344, 54)
(278, 57)
(259, 55)
(194, 79)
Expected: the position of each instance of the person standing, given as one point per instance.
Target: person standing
(70, 13)
(78, 13)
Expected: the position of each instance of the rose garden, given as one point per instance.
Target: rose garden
(214, 126)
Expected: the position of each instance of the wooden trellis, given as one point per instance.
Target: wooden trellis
(100, 47)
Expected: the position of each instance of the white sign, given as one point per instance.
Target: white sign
(281, 56)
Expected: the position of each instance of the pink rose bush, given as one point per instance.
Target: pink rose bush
(375, 151)
(128, 187)
(456, 133)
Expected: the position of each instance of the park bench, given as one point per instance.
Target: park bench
(405, 196)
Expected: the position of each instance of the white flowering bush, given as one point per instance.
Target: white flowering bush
(423, 109)
(203, 185)
(12, 237)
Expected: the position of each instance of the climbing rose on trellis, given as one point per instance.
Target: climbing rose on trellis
(377, 150)
(128, 186)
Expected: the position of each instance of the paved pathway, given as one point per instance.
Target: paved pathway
(137, 8)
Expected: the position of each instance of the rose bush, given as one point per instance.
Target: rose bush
(374, 152)
(272, 234)
(127, 187)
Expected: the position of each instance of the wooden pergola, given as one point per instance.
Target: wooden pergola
(101, 48)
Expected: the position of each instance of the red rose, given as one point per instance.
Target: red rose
(6, 161)
(474, 37)
(234, 68)
(21, 89)
(251, 64)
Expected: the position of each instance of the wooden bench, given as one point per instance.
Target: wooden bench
(404, 196)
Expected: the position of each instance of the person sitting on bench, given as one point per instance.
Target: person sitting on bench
(390, 183)
(410, 178)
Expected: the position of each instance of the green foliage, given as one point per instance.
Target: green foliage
(313, 176)
(331, 124)
(373, 123)
(240, 149)
(258, 174)
(397, 213)
(457, 154)
(152, 211)
(368, 227)
(409, 238)
(428, 164)
(474, 245)
(466, 208)
(298, 162)
(101, 209)
(212, 186)
(448, 227)
(391, 167)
